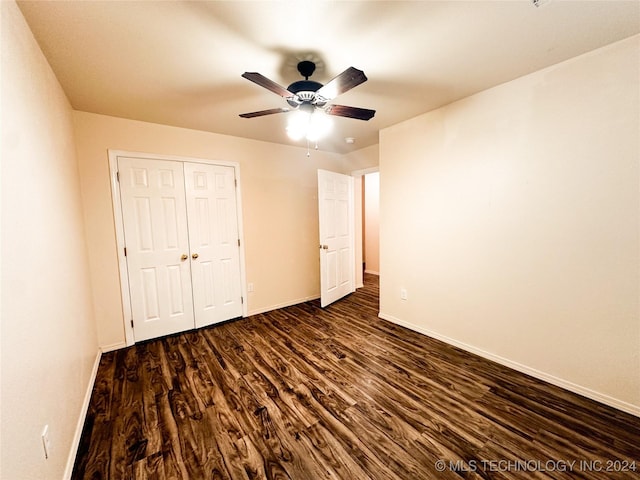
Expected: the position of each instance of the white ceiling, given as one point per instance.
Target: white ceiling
(179, 63)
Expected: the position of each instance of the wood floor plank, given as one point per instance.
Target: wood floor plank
(100, 405)
(336, 393)
(128, 441)
(151, 432)
(407, 463)
(359, 452)
(274, 440)
(151, 468)
(174, 463)
(307, 363)
(258, 466)
(226, 439)
(96, 460)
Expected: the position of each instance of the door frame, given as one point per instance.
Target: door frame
(119, 227)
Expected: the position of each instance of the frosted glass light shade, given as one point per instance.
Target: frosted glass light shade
(309, 125)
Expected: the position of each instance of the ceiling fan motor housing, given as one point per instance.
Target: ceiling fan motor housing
(305, 92)
(304, 86)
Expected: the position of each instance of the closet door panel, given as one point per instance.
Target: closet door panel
(213, 234)
(155, 226)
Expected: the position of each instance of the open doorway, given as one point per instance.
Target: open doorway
(371, 223)
(367, 230)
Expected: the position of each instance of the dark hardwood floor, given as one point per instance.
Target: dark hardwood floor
(304, 393)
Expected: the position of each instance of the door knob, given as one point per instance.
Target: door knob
(325, 247)
(184, 257)
(194, 256)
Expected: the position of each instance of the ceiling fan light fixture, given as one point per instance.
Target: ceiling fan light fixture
(308, 125)
(319, 126)
(297, 124)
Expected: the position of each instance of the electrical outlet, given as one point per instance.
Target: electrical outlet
(250, 287)
(403, 294)
(46, 443)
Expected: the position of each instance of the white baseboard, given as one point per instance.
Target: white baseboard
(372, 272)
(559, 382)
(113, 346)
(83, 415)
(282, 305)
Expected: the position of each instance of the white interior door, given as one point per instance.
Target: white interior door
(214, 241)
(155, 224)
(335, 205)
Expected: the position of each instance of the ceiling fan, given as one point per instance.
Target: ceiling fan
(307, 95)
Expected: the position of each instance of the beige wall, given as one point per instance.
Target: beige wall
(372, 222)
(512, 219)
(49, 343)
(363, 159)
(279, 200)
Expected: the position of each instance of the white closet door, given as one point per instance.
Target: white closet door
(155, 225)
(335, 207)
(214, 240)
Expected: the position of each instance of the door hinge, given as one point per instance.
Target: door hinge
(117, 176)
(242, 300)
(132, 323)
(235, 182)
(125, 251)
(238, 242)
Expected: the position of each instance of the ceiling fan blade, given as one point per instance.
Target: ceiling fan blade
(350, 112)
(264, 112)
(351, 77)
(263, 81)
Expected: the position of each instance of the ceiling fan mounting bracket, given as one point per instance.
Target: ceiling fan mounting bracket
(306, 68)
